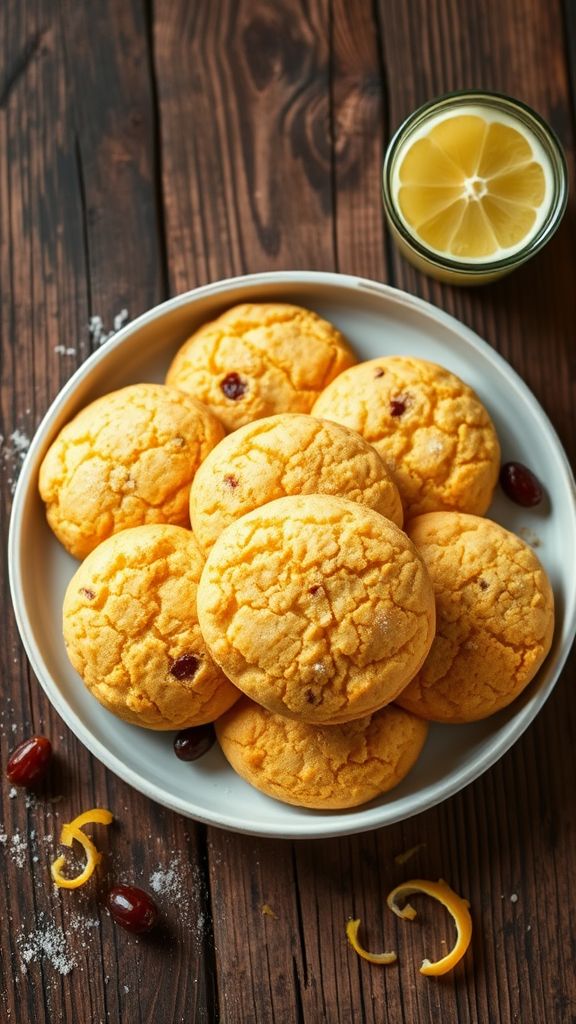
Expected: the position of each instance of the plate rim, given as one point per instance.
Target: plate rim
(330, 826)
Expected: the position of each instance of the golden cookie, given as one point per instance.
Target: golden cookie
(287, 454)
(432, 431)
(131, 630)
(328, 767)
(316, 607)
(259, 359)
(126, 459)
(495, 618)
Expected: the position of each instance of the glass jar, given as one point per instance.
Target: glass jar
(495, 107)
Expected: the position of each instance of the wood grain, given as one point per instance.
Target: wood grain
(80, 226)
(147, 147)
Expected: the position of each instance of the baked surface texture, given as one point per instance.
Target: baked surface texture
(430, 428)
(317, 607)
(258, 359)
(291, 453)
(131, 630)
(125, 460)
(329, 767)
(494, 618)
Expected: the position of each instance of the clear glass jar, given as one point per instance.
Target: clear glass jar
(466, 271)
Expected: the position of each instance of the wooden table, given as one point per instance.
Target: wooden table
(148, 147)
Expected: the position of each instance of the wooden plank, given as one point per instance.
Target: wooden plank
(80, 234)
(381, 62)
(243, 92)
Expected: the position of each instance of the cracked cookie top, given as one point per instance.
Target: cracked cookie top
(430, 428)
(131, 630)
(126, 459)
(287, 454)
(494, 618)
(259, 359)
(329, 767)
(316, 607)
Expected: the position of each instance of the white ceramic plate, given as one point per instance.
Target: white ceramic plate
(377, 320)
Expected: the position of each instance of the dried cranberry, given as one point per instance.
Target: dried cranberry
(520, 484)
(28, 763)
(397, 406)
(132, 908)
(185, 667)
(190, 744)
(231, 481)
(233, 386)
(87, 593)
(314, 589)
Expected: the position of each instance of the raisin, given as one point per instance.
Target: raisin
(397, 406)
(233, 386)
(28, 763)
(132, 908)
(190, 744)
(520, 484)
(185, 667)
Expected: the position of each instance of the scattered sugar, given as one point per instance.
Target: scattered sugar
(181, 886)
(126, 989)
(382, 623)
(120, 319)
(13, 451)
(47, 942)
(79, 923)
(97, 330)
(12, 792)
(319, 668)
(18, 848)
(514, 897)
(62, 350)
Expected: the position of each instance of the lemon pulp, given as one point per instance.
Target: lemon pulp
(472, 187)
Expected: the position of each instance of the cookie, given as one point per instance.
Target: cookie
(430, 428)
(326, 767)
(260, 359)
(316, 607)
(287, 454)
(495, 618)
(126, 459)
(131, 630)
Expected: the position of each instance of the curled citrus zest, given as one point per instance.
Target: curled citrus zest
(454, 904)
(73, 830)
(374, 958)
(97, 816)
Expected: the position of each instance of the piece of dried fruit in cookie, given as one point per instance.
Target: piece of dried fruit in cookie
(291, 453)
(430, 428)
(316, 607)
(258, 359)
(136, 641)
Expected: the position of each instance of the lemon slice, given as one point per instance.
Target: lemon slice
(473, 186)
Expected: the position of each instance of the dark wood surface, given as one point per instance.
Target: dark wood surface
(148, 146)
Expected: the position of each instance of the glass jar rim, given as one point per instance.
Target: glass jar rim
(547, 137)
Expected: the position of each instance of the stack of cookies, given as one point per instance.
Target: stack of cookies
(320, 582)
